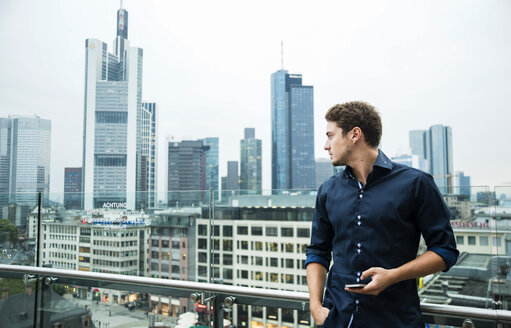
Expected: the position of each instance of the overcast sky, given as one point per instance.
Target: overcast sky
(208, 64)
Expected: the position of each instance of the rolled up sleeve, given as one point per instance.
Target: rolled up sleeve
(433, 220)
(320, 248)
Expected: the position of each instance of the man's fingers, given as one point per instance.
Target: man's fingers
(368, 273)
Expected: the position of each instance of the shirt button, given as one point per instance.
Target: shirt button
(359, 217)
(359, 244)
(360, 196)
(358, 274)
(357, 301)
(358, 251)
(358, 279)
(359, 223)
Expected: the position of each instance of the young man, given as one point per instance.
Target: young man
(369, 218)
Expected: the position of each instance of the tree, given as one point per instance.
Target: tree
(8, 232)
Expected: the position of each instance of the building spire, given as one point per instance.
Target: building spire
(281, 54)
(121, 4)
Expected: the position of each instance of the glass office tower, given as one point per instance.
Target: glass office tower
(292, 106)
(117, 141)
(250, 163)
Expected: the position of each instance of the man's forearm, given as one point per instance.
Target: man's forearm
(427, 263)
(316, 277)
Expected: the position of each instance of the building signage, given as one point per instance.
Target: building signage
(471, 224)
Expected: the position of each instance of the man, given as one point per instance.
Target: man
(369, 218)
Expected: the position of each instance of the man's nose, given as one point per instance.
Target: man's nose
(327, 145)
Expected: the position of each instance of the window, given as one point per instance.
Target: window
(203, 271)
(272, 231)
(244, 244)
(203, 243)
(257, 246)
(227, 245)
(244, 274)
(175, 244)
(216, 258)
(244, 259)
(203, 230)
(258, 260)
(483, 241)
(257, 231)
(286, 232)
(471, 240)
(227, 230)
(227, 259)
(216, 245)
(258, 275)
(460, 240)
(242, 230)
(289, 263)
(203, 257)
(216, 230)
(274, 262)
(227, 273)
(287, 247)
(287, 278)
(274, 277)
(272, 247)
(303, 232)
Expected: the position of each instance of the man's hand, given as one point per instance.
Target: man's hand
(319, 314)
(381, 280)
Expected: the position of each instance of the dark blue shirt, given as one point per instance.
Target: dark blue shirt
(377, 225)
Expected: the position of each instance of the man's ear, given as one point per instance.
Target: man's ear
(356, 134)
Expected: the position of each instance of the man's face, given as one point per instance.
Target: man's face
(337, 145)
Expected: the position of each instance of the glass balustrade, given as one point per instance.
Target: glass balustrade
(245, 238)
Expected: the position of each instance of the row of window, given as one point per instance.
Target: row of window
(65, 247)
(255, 275)
(109, 263)
(60, 237)
(254, 246)
(167, 244)
(114, 254)
(108, 243)
(255, 231)
(61, 255)
(166, 267)
(254, 260)
(483, 240)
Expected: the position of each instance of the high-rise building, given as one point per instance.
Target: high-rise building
(408, 160)
(292, 110)
(212, 165)
(152, 152)
(117, 128)
(461, 184)
(250, 163)
(230, 183)
(73, 187)
(324, 170)
(417, 139)
(435, 146)
(24, 159)
(186, 173)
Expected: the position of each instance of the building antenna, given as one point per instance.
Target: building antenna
(121, 4)
(281, 54)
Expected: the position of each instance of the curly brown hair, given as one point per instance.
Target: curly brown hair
(357, 113)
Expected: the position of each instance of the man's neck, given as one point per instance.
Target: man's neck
(362, 164)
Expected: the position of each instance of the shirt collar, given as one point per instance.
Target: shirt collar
(381, 161)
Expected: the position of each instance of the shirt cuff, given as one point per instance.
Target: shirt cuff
(449, 256)
(313, 258)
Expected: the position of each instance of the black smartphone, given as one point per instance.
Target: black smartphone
(355, 285)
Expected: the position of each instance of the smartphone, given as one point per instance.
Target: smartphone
(355, 285)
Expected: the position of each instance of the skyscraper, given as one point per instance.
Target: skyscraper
(250, 163)
(186, 173)
(117, 128)
(292, 108)
(152, 152)
(211, 165)
(24, 158)
(435, 147)
(230, 183)
(73, 187)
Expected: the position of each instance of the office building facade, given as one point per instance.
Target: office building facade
(187, 173)
(292, 112)
(435, 147)
(250, 163)
(25, 147)
(117, 128)
(212, 181)
(73, 187)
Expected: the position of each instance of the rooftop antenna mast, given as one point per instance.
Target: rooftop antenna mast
(121, 4)
(281, 54)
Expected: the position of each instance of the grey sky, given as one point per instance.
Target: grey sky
(208, 63)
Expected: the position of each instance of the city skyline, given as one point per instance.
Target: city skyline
(442, 77)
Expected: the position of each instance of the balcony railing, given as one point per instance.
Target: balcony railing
(221, 297)
(243, 244)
